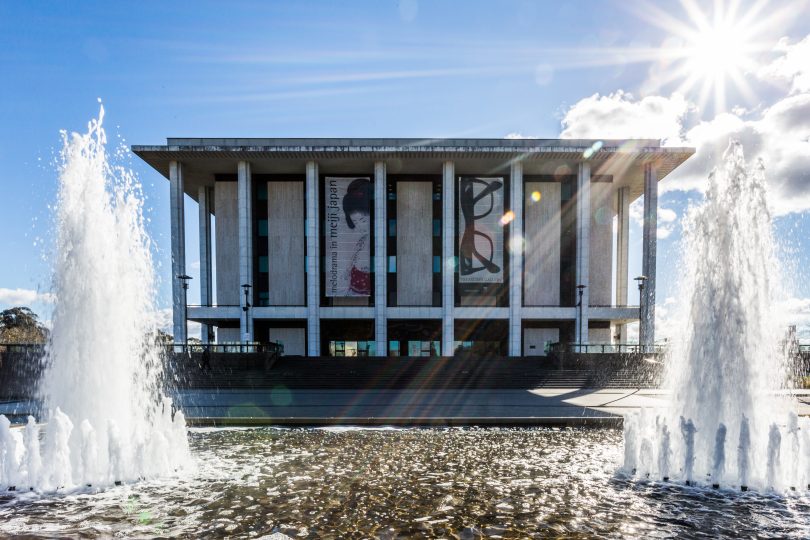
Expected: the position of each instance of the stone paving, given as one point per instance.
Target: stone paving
(283, 406)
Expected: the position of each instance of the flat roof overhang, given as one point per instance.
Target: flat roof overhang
(203, 158)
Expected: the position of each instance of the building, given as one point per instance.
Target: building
(414, 247)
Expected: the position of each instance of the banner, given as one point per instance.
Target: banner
(480, 253)
(347, 219)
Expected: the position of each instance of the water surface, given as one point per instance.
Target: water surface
(364, 483)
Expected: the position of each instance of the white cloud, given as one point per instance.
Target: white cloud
(664, 231)
(666, 215)
(667, 221)
(780, 137)
(195, 265)
(796, 311)
(620, 116)
(24, 297)
(637, 211)
(792, 67)
(163, 320)
(515, 135)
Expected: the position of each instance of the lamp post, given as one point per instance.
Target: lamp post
(641, 333)
(580, 291)
(246, 308)
(184, 279)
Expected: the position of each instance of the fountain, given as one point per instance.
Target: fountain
(106, 421)
(726, 368)
(108, 424)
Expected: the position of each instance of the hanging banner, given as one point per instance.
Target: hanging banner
(480, 253)
(347, 220)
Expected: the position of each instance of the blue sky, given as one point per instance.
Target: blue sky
(408, 69)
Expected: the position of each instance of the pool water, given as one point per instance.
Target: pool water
(405, 483)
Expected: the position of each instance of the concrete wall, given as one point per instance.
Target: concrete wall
(541, 281)
(285, 237)
(227, 242)
(228, 335)
(601, 245)
(537, 338)
(414, 243)
(293, 340)
(600, 335)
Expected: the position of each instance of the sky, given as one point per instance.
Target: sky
(688, 73)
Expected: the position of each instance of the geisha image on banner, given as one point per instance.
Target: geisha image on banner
(347, 223)
(480, 253)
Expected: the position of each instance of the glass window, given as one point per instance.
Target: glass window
(264, 265)
(437, 228)
(437, 264)
(262, 227)
(392, 264)
(393, 348)
(262, 192)
(392, 227)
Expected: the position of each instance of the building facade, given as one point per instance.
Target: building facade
(406, 247)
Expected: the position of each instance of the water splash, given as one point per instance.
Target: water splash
(719, 465)
(726, 367)
(103, 369)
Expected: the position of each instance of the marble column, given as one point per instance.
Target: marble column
(313, 261)
(622, 252)
(583, 211)
(205, 197)
(648, 257)
(245, 203)
(380, 259)
(448, 257)
(177, 217)
(516, 244)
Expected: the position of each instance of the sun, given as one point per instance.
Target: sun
(719, 51)
(711, 51)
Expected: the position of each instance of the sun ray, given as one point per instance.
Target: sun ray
(719, 44)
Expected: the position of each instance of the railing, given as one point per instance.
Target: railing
(22, 347)
(607, 348)
(236, 347)
(623, 306)
(38, 348)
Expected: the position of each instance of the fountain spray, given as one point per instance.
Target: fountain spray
(725, 361)
(103, 369)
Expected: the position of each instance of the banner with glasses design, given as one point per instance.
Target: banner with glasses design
(347, 236)
(480, 252)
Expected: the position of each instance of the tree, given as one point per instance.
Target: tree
(21, 325)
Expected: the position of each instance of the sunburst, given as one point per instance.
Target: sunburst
(714, 48)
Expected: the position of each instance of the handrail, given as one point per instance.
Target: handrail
(213, 305)
(606, 348)
(170, 347)
(235, 347)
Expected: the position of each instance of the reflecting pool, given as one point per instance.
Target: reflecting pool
(414, 483)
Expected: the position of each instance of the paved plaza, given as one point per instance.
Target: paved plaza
(284, 406)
